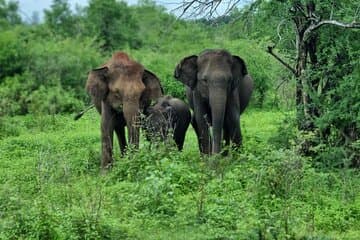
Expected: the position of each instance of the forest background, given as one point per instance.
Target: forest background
(296, 176)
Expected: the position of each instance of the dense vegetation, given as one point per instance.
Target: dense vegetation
(283, 184)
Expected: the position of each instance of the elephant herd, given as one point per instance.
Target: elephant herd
(218, 89)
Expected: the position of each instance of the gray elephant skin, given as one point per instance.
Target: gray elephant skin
(120, 90)
(218, 88)
(168, 116)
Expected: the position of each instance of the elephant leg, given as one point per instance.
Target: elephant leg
(179, 137)
(200, 113)
(226, 136)
(232, 120)
(107, 130)
(179, 133)
(119, 125)
(197, 131)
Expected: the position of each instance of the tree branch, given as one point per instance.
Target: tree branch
(314, 27)
(206, 8)
(270, 51)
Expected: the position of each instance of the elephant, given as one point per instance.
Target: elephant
(167, 115)
(120, 90)
(218, 89)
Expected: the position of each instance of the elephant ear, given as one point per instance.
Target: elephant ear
(238, 69)
(245, 91)
(97, 84)
(245, 82)
(186, 71)
(153, 89)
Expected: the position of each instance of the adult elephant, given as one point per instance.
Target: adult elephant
(218, 88)
(120, 90)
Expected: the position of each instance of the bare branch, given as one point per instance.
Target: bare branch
(207, 8)
(231, 6)
(270, 51)
(280, 84)
(278, 29)
(314, 27)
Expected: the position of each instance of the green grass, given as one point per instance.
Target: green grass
(51, 187)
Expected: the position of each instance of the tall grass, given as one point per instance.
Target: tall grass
(51, 187)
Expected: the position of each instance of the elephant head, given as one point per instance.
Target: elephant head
(122, 86)
(169, 116)
(220, 90)
(159, 120)
(187, 73)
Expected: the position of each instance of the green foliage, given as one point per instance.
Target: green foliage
(59, 67)
(286, 133)
(153, 24)
(64, 62)
(9, 14)
(52, 188)
(59, 53)
(53, 100)
(335, 96)
(60, 19)
(112, 24)
(13, 54)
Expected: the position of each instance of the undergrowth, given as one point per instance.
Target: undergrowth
(51, 187)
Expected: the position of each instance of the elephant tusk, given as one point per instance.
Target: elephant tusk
(79, 115)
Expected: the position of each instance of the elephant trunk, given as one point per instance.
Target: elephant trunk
(132, 117)
(217, 103)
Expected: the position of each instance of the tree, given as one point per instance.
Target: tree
(111, 23)
(306, 22)
(9, 13)
(153, 22)
(60, 19)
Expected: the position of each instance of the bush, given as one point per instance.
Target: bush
(14, 53)
(52, 81)
(64, 63)
(286, 134)
(14, 92)
(53, 100)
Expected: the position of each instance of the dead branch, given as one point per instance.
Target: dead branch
(315, 26)
(206, 8)
(270, 51)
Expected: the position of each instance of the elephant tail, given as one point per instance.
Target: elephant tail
(80, 114)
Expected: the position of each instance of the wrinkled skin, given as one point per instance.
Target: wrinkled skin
(120, 90)
(218, 88)
(168, 116)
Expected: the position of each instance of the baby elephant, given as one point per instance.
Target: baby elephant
(168, 116)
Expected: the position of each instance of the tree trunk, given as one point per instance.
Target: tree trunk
(304, 48)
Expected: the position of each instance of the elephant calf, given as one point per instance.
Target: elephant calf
(168, 116)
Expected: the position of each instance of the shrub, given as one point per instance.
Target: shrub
(53, 100)
(14, 53)
(14, 92)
